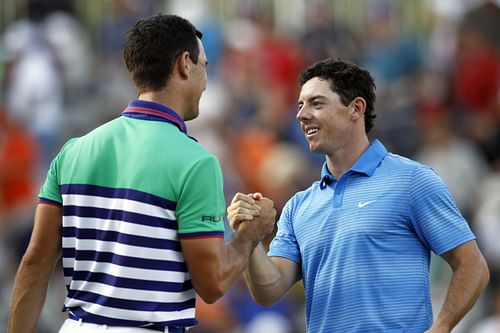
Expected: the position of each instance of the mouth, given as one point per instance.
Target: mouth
(311, 131)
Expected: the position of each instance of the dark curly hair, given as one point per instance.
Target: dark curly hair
(153, 45)
(348, 81)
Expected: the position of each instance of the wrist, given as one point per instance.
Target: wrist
(440, 327)
(248, 236)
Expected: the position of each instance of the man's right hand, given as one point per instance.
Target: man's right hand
(243, 208)
(215, 265)
(254, 213)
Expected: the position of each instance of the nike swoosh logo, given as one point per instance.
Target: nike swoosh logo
(362, 204)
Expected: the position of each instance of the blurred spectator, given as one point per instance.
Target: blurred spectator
(390, 53)
(122, 15)
(487, 221)
(113, 85)
(283, 172)
(18, 154)
(34, 88)
(250, 149)
(451, 157)
(278, 62)
(477, 72)
(325, 36)
(267, 62)
(71, 45)
(202, 16)
(445, 16)
(393, 57)
(486, 17)
(476, 78)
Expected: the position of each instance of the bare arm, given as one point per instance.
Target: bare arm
(267, 278)
(35, 270)
(214, 266)
(470, 277)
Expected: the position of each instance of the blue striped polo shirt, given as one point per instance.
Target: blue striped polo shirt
(130, 190)
(364, 242)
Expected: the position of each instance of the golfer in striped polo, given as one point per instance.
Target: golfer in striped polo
(136, 206)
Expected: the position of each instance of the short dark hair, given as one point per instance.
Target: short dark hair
(153, 45)
(348, 81)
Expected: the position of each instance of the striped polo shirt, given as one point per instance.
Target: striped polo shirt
(129, 191)
(363, 242)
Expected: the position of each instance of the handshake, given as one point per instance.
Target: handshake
(252, 215)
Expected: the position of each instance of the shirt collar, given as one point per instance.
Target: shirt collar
(370, 159)
(154, 111)
(366, 163)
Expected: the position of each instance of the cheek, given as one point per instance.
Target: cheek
(331, 124)
(338, 122)
(203, 80)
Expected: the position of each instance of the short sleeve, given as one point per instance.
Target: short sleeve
(50, 191)
(436, 218)
(201, 206)
(285, 243)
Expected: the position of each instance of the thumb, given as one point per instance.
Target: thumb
(257, 195)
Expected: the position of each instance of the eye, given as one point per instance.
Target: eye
(316, 104)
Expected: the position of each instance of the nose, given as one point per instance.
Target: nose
(303, 114)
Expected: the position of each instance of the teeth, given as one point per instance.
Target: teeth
(312, 131)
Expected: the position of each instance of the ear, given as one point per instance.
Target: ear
(358, 107)
(183, 64)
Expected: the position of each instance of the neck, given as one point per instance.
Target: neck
(171, 99)
(343, 159)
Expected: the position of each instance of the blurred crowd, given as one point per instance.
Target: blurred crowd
(436, 66)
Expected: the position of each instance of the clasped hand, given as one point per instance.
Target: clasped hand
(252, 211)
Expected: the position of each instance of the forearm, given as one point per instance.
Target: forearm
(215, 266)
(466, 286)
(28, 296)
(264, 279)
(236, 259)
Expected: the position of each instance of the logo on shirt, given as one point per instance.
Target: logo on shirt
(362, 204)
(209, 218)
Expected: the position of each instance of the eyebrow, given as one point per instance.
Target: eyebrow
(313, 98)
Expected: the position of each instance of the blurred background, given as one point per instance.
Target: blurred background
(437, 70)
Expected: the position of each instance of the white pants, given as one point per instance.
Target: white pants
(73, 326)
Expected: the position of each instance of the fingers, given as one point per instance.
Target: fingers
(246, 210)
(243, 208)
(235, 224)
(236, 219)
(267, 216)
(260, 227)
(256, 196)
(244, 204)
(247, 207)
(266, 203)
(243, 197)
(236, 215)
(249, 198)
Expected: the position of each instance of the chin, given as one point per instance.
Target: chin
(191, 116)
(315, 149)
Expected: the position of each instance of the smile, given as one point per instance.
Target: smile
(311, 131)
